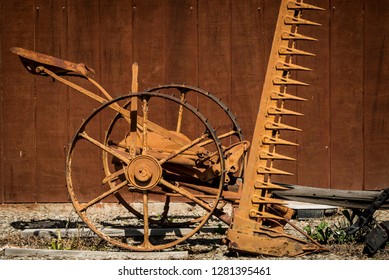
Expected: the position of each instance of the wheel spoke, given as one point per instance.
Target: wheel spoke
(119, 166)
(102, 196)
(146, 242)
(103, 147)
(180, 112)
(183, 149)
(145, 108)
(134, 111)
(166, 209)
(186, 194)
(112, 176)
(133, 126)
(222, 136)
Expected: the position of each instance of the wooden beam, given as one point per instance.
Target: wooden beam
(334, 197)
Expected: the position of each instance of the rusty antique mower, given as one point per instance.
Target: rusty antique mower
(143, 160)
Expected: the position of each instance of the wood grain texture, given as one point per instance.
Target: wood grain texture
(19, 115)
(376, 94)
(51, 106)
(221, 46)
(346, 89)
(314, 154)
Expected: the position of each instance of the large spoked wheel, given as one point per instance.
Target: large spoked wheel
(146, 163)
(229, 132)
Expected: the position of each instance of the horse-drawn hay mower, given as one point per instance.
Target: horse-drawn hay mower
(185, 159)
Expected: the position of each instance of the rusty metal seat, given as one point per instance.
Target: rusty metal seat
(33, 61)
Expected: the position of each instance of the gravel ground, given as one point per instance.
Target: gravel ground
(17, 217)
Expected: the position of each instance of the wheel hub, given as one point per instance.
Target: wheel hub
(144, 172)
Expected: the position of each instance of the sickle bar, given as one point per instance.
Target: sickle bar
(259, 219)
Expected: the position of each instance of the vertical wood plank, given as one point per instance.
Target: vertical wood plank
(149, 48)
(181, 42)
(376, 96)
(2, 190)
(313, 159)
(84, 45)
(248, 61)
(116, 46)
(222, 46)
(51, 105)
(19, 104)
(270, 13)
(215, 54)
(347, 24)
(149, 41)
(116, 58)
(181, 59)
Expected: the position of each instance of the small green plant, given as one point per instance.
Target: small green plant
(322, 232)
(75, 242)
(325, 234)
(340, 236)
(57, 243)
(341, 226)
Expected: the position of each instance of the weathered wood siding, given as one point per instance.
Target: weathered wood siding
(218, 45)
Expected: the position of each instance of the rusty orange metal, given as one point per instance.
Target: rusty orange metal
(143, 158)
(33, 60)
(256, 222)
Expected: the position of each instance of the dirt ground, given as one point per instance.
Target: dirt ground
(17, 217)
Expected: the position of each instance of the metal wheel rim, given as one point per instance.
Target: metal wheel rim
(77, 204)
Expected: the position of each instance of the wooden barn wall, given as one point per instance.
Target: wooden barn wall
(218, 45)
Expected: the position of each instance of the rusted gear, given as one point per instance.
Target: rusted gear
(144, 172)
(150, 174)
